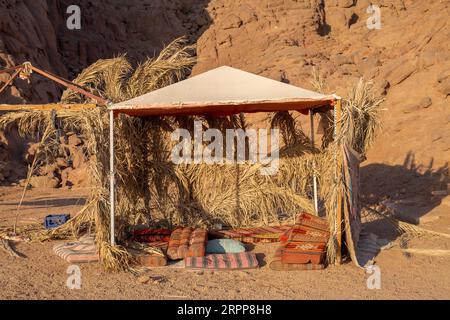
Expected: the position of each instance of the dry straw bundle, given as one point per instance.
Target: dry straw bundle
(153, 190)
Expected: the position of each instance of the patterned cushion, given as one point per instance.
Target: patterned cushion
(308, 220)
(227, 261)
(303, 233)
(187, 242)
(253, 235)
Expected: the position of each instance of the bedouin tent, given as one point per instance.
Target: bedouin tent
(221, 91)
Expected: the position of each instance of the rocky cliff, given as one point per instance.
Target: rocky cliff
(408, 58)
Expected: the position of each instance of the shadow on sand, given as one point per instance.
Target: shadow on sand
(408, 189)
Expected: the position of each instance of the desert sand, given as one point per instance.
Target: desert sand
(42, 275)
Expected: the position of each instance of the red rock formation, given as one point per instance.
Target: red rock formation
(408, 59)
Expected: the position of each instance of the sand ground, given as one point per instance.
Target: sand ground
(42, 275)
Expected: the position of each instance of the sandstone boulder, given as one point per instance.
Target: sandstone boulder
(78, 177)
(231, 22)
(44, 182)
(65, 177)
(62, 163)
(338, 20)
(77, 157)
(444, 87)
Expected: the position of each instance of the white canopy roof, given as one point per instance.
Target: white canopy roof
(223, 90)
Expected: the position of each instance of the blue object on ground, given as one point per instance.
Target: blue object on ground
(224, 246)
(55, 220)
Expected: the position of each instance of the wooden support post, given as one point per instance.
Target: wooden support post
(27, 68)
(9, 80)
(58, 107)
(338, 158)
(73, 86)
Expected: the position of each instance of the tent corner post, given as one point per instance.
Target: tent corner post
(111, 176)
(316, 201)
(338, 164)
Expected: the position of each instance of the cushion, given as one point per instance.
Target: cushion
(308, 220)
(300, 233)
(224, 246)
(147, 254)
(151, 235)
(187, 242)
(303, 252)
(149, 259)
(78, 251)
(227, 261)
(277, 265)
(265, 234)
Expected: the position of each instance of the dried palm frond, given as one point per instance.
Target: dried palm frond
(318, 82)
(360, 117)
(116, 80)
(172, 64)
(93, 77)
(292, 135)
(428, 252)
(404, 227)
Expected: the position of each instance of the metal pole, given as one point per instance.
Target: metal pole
(111, 175)
(316, 202)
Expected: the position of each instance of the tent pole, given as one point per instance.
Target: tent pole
(316, 202)
(338, 164)
(111, 175)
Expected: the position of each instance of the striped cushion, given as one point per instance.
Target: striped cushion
(77, 252)
(227, 261)
(187, 242)
(197, 243)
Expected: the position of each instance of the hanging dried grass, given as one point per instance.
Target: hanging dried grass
(428, 252)
(360, 119)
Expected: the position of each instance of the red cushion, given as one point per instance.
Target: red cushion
(187, 242)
